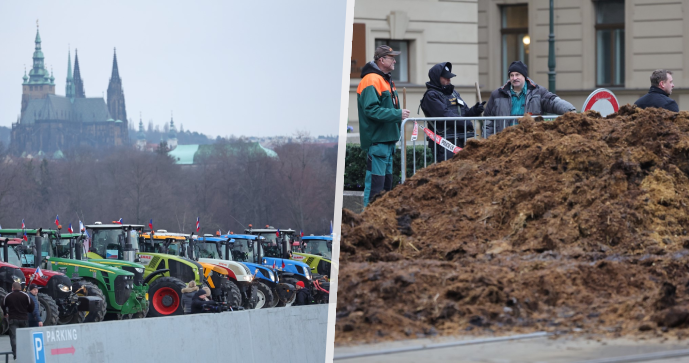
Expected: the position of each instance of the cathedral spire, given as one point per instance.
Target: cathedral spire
(69, 86)
(78, 83)
(115, 72)
(116, 105)
(38, 74)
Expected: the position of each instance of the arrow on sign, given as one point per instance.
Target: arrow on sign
(57, 351)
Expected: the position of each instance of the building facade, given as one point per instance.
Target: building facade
(614, 44)
(49, 123)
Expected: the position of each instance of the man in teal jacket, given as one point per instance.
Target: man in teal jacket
(380, 117)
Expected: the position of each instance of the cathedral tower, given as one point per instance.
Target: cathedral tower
(39, 83)
(78, 83)
(116, 94)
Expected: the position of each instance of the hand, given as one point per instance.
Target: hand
(40, 323)
(405, 114)
(478, 108)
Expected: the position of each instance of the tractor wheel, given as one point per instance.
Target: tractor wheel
(4, 326)
(289, 302)
(234, 298)
(76, 318)
(251, 304)
(274, 302)
(92, 290)
(48, 309)
(165, 297)
(264, 296)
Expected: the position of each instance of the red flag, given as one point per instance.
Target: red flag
(283, 264)
(273, 260)
(150, 224)
(70, 230)
(25, 238)
(277, 234)
(57, 220)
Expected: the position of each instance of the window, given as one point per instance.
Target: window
(610, 43)
(401, 71)
(515, 35)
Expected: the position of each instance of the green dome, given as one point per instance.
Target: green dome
(118, 121)
(58, 155)
(109, 120)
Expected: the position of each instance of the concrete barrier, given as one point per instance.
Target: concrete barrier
(292, 334)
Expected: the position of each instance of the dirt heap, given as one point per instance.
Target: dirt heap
(579, 224)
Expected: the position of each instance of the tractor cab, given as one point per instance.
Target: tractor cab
(278, 243)
(115, 241)
(317, 245)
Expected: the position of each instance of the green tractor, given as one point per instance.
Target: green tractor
(315, 251)
(124, 297)
(166, 274)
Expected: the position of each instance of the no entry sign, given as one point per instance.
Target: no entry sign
(603, 101)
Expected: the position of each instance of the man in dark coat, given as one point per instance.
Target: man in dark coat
(659, 94)
(17, 305)
(198, 302)
(441, 100)
(521, 95)
(35, 315)
(302, 297)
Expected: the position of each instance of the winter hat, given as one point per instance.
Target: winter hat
(191, 283)
(200, 292)
(518, 66)
(300, 284)
(33, 286)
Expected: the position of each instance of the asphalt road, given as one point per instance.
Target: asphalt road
(563, 349)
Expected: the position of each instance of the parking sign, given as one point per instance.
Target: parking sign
(38, 347)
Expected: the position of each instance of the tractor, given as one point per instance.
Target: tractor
(233, 249)
(58, 304)
(9, 274)
(229, 285)
(277, 250)
(317, 252)
(118, 244)
(122, 297)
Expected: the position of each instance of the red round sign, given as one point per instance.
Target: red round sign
(603, 101)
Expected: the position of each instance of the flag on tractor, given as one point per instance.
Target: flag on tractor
(150, 224)
(301, 233)
(277, 234)
(38, 272)
(57, 220)
(69, 229)
(198, 224)
(120, 221)
(25, 238)
(23, 225)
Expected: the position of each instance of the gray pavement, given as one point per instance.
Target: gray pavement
(562, 349)
(5, 347)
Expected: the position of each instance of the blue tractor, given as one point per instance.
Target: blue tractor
(244, 249)
(276, 250)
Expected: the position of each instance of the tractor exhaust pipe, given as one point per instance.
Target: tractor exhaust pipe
(38, 254)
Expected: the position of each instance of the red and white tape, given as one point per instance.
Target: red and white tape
(441, 141)
(415, 133)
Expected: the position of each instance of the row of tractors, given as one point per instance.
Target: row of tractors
(121, 271)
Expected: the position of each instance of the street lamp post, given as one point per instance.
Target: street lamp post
(551, 53)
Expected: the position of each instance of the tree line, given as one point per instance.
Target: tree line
(227, 189)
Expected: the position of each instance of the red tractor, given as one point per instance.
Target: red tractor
(58, 303)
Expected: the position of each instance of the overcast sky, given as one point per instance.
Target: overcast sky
(254, 68)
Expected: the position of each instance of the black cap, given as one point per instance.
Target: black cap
(518, 66)
(446, 73)
(33, 286)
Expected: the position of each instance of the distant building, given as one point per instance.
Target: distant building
(49, 123)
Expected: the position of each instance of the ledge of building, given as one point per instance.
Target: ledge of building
(353, 200)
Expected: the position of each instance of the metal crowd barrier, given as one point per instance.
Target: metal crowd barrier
(503, 121)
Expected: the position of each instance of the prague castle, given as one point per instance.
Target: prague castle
(50, 123)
